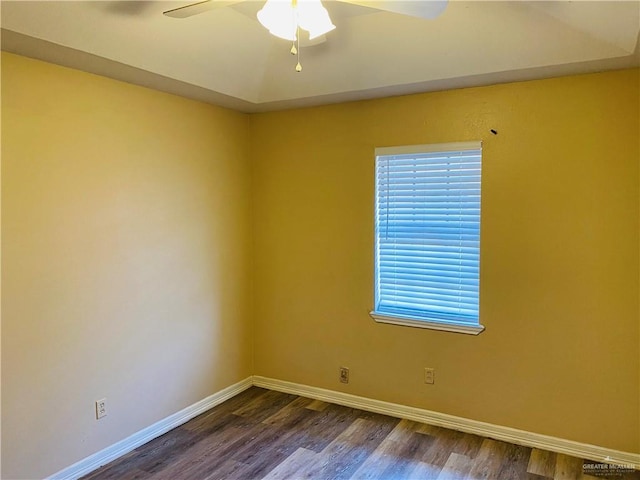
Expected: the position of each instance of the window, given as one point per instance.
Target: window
(427, 251)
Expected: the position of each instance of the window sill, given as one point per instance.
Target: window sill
(412, 322)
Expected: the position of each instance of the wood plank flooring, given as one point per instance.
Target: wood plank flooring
(262, 434)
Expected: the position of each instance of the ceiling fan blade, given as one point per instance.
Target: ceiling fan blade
(200, 7)
(412, 8)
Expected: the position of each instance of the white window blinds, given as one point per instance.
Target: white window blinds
(428, 232)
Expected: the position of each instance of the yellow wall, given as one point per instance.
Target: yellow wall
(559, 262)
(131, 219)
(125, 254)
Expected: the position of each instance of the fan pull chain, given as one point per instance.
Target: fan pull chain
(298, 66)
(294, 22)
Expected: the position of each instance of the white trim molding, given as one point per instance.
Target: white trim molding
(507, 434)
(428, 148)
(413, 322)
(98, 459)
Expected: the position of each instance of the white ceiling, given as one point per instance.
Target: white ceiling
(225, 56)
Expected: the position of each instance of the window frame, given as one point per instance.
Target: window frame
(409, 320)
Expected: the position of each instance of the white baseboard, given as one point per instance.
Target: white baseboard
(95, 461)
(507, 434)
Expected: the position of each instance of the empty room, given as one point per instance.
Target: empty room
(320, 240)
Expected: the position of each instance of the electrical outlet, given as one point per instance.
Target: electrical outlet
(101, 408)
(344, 375)
(429, 376)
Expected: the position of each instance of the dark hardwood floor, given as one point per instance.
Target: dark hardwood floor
(262, 434)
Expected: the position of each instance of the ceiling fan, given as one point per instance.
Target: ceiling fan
(285, 18)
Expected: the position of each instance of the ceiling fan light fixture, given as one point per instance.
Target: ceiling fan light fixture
(279, 17)
(313, 17)
(283, 17)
